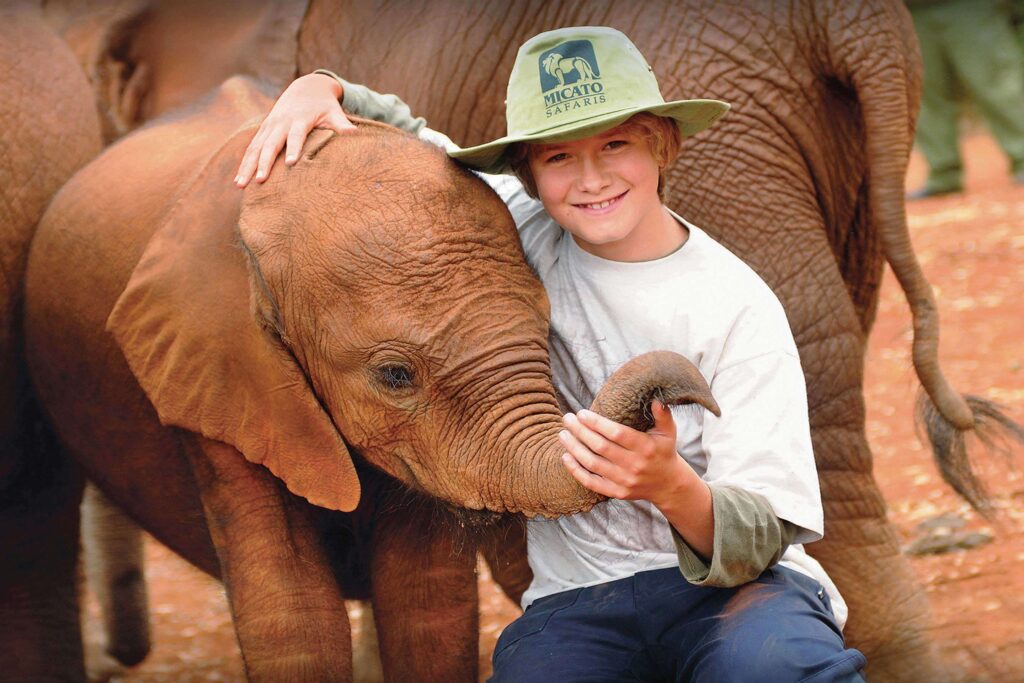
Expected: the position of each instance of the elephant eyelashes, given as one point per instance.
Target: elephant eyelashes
(395, 376)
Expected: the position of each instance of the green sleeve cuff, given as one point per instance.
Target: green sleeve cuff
(361, 101)
(749, 538)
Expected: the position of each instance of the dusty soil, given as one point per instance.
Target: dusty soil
(971, 247)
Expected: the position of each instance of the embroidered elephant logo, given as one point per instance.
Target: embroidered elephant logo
(558, 66)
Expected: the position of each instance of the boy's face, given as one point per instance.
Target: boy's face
(602, 189)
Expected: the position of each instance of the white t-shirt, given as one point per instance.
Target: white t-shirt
(706, 304)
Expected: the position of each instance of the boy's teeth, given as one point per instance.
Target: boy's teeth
(600, 205)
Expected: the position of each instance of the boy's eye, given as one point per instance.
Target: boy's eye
(560, 156)
(615, 144)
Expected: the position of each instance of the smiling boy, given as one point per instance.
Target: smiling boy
(693, 569)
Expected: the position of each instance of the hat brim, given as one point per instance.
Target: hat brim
(692, 116)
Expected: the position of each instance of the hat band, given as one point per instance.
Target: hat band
(581, 123)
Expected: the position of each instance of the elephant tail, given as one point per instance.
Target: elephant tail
(992, 428)
(885, 71)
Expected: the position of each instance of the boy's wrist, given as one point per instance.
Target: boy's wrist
(688, 506)
(681, 487)
(331, 82)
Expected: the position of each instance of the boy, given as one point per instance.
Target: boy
(691, 570)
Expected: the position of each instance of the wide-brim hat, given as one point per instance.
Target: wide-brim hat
(572, 83)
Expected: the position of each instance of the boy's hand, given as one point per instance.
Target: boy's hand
(311, 101)
(619, 462)
(616, 461)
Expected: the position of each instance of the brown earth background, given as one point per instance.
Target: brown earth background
(971, 247)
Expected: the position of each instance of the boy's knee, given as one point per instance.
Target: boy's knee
(779, 631)
(782, 660)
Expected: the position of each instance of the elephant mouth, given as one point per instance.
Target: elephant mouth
(473, 519)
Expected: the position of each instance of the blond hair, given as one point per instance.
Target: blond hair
(661, 133)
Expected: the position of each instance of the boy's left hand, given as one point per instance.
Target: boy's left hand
(619, 462)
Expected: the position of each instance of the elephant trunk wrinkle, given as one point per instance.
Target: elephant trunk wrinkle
(532, 479)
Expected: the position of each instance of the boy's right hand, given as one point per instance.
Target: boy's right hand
(311, 101)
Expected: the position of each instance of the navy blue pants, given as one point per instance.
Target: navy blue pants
(655, 626)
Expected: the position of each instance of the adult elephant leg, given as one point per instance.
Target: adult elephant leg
(289, 615)
(860, 551)
(114, 568)
(424, 592)
(40, 635)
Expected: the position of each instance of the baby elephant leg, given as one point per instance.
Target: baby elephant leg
(114, 568)
(287, 607)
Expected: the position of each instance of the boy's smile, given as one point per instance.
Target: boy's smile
(600, 206)
(604, 191)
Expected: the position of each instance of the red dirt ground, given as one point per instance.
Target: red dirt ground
(971, 247)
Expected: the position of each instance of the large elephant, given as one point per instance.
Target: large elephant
(208, 341)
(49, 129)
(141, 56)
(803, 179)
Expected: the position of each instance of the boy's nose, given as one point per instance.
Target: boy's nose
(593, 176)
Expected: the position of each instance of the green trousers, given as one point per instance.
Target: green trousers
(970, 52)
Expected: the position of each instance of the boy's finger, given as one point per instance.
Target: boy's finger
(619, 434)
(297, 135)
(249, 159)
(271, 148)
(592, 461)
(590, 480)
(339, 123)
(663, 421)
(590, 438)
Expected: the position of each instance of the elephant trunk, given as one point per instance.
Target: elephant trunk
(544, 486)
(889, 95)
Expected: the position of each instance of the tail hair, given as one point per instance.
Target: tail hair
(997, 432)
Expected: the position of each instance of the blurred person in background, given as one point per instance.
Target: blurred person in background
(1017, 21)
(970, 53)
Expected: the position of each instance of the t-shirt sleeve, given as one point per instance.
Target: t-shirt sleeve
(749, 538)
(762, 441)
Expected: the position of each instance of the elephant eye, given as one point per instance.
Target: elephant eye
(395, 376)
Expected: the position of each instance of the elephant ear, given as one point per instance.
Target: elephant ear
(187, 327)
(141, 55)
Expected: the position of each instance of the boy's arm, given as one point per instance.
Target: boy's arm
(315, 101)
(726, 518)
(362, 101)
(748, 538)
(737, 529)
(320, 99)
(760, 464)
(538, 233)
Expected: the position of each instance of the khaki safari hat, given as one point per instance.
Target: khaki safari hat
(572, 83)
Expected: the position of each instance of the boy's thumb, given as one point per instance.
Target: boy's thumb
(661, 414)
(339, 123)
